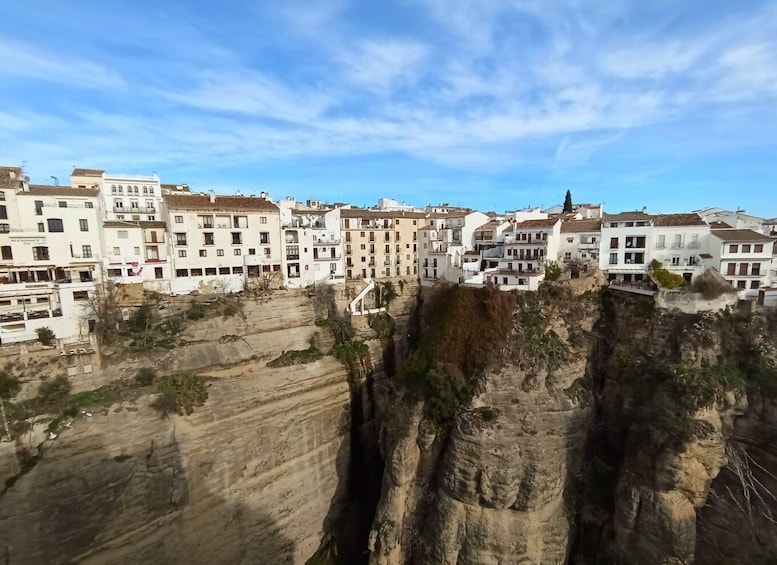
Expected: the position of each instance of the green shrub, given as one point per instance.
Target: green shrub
(296, 357)
(665, 278)
(350, 350)
(54, 393)
(46, 336)
(196, 311)
(383, 324)
(180, 393)
(145, 376)
(552, 271)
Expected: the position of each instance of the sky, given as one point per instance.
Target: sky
(492, 104)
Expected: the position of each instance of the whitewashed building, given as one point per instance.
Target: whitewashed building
(445, 243)
(219, 243)
(623, 253)
(579, 242)
(680, 242)
(743, 257)
(312, 244)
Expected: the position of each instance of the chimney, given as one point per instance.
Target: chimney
(212, 196)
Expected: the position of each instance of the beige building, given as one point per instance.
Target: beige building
(380, 243)
(220, 242)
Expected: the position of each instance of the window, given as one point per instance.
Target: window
(733, 248)
(755, 284)
(83, 225)
(86, 251)
(179, 219)
(80, 295)
(388, 249)
(731, 269)
(741, 284)
(196, 272)
(5, 228)
(263, 219)
(266, 251)
(122, 234)
(238, 270)
(224, 270)
(55, 225)
(613, 243)
(237, 251)
(180, 238)
(62, 204)
(3, 212)
(219, 252)
(88, 204)
(240, 222)
(237, 238)
(205, 221)
(203, 252)
(756, 270)
(613, 258)
(182, 252)
(116, 251)
(209, 239)
(40, 253)
(637, 242)
(182, 272)
(264, 238)
(118, 204)
(39, 207)
(114, 272)
(7, 252)
(2, 195)
(158, 272)
(746, 248)
(252, 251)
(758, 248)
(210, 271)
(134, 204)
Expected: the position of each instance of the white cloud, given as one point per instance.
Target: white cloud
(383, 64)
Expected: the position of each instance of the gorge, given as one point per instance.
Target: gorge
(576, 424)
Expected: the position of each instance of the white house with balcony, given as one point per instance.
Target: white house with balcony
(579, 242)
(50, 257)
(220, 243)
(124, 197)
(743, 257)
(312, 244)
(626, 239)
(528, 245)
(444, 245)
(137, 252)
(680, 243)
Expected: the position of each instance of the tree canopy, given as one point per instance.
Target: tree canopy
(568, 202)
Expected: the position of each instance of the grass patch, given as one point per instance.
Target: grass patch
(296, 357)
(180, 393)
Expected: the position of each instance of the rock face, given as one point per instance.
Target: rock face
(255, 475)
(495, 488)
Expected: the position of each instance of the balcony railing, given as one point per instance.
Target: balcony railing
(292, 257)
(136, 210)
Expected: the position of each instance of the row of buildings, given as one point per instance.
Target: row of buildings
(60, 242)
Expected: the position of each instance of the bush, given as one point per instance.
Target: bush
(552, 271)
(46, 336)
(180, 393)
(145, 376)
(196, 311)
(382, 323)
(350, 350)
(665, 278)
(296, 357)
(53, 394)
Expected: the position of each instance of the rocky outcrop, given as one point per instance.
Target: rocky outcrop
(257, 474)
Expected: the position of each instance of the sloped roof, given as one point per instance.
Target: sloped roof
(740, 235)
(6, 174)
(362, 213)
(203, 202)
(541, 223)
(87, 173)
(580, 226)
(626, 216)
(51, 190)
(490, 225)
(720, 225)
(664, 220)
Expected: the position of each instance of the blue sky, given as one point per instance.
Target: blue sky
(494, 104)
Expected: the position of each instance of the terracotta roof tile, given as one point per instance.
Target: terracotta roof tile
(580, 226)
(49, 190)
(203, 202)
(626, 216)
(541, 223)
(379, 214)
(663, 220)
(740, 235)
(87, 173)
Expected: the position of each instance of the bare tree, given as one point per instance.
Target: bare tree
(103, 307)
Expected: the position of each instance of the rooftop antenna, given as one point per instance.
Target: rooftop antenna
(56, 180)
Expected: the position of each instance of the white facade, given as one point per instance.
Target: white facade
(680, 243)
(743, 257)
(444, 244)
(312, 245)
(626, 239)
(579, 242)
(218, 243)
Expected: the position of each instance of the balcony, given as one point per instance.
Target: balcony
(327, 241)
(160, 238)
(137, 210)
(292, 257)
(677, 245)
(327, 257)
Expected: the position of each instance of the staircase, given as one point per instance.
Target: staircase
(357, 304)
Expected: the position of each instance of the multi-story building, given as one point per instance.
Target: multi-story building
(490, 234)
(312, 244)
(50, 257)
(218, 242)
(738, 219)
(679, 242)
(743, 257)
(380, 243)
(579, 242)
(623, 253)
(528, 245)
(444, 244)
